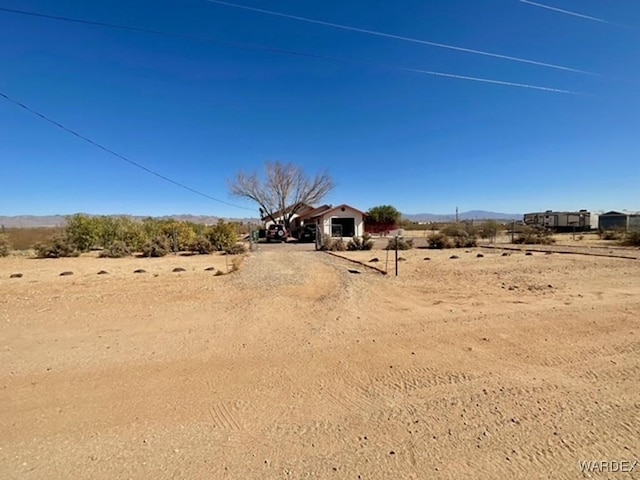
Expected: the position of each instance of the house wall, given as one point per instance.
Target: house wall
(325, 221)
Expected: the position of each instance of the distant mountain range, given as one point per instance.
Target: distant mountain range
(32, 221)
(470, 215)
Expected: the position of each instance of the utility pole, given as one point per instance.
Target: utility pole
(456, 214)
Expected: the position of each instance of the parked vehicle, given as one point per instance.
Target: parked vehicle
(277, 233)
(307, 233)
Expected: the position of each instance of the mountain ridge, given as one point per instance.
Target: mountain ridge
(35, 221)
(469, 215)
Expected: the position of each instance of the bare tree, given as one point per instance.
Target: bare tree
(283, 191)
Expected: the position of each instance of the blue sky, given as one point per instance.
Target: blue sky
(199, 111)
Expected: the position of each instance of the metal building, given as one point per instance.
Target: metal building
(619, 221)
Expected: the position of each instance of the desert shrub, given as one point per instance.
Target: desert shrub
(333, 245)
(632, 239)
(610, 235)
(360, 243)
(489, 230)
(402, 243)
(223, 235)
(452, 230)
(59, 246)
(201, 245)
(439, 241)
(464, 240)
(82, 231)
(157, 246)
(181, 235)
(118, 249)
(235, 249)
(534, 236)
(5, 245)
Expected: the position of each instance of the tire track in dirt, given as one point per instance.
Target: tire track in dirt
(586, 354)
(222, 417)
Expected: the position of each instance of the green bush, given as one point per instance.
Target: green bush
(59, 246)
(439, 241)
(223, 235)
(360, 243)
(632, 239)
(402, 243)
(201, 245)
(82, 231)
(235, 249)
(157, 246)
(5, 245)
(118, 249)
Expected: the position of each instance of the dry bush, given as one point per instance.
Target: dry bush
(117, 249)
(357, 243)
(58, 247)
(235, 249)
(464, 240)
(158, 246)
(401, 242)
(439, 241)
(632, 239)
(202, 245)
(5, 245)
(610, 235)
(534, 236)
(333, 245)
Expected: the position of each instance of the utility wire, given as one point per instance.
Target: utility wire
(292, 52)
(115, 154)
(403, 38)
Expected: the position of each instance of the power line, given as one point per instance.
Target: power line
(293, 52)
(403, 38)
(115, 154)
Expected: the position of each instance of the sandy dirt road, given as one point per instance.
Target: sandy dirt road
(293, 367)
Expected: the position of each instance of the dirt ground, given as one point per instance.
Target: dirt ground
(488, 367)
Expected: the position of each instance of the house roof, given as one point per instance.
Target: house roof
(315, 212)
(612, 213)
(344, 205)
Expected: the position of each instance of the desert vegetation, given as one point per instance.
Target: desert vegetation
(329, 244)
(401, 243)
(631, 238)
(357, 243)
(5, 245)
(534, 236)
(118, 237)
